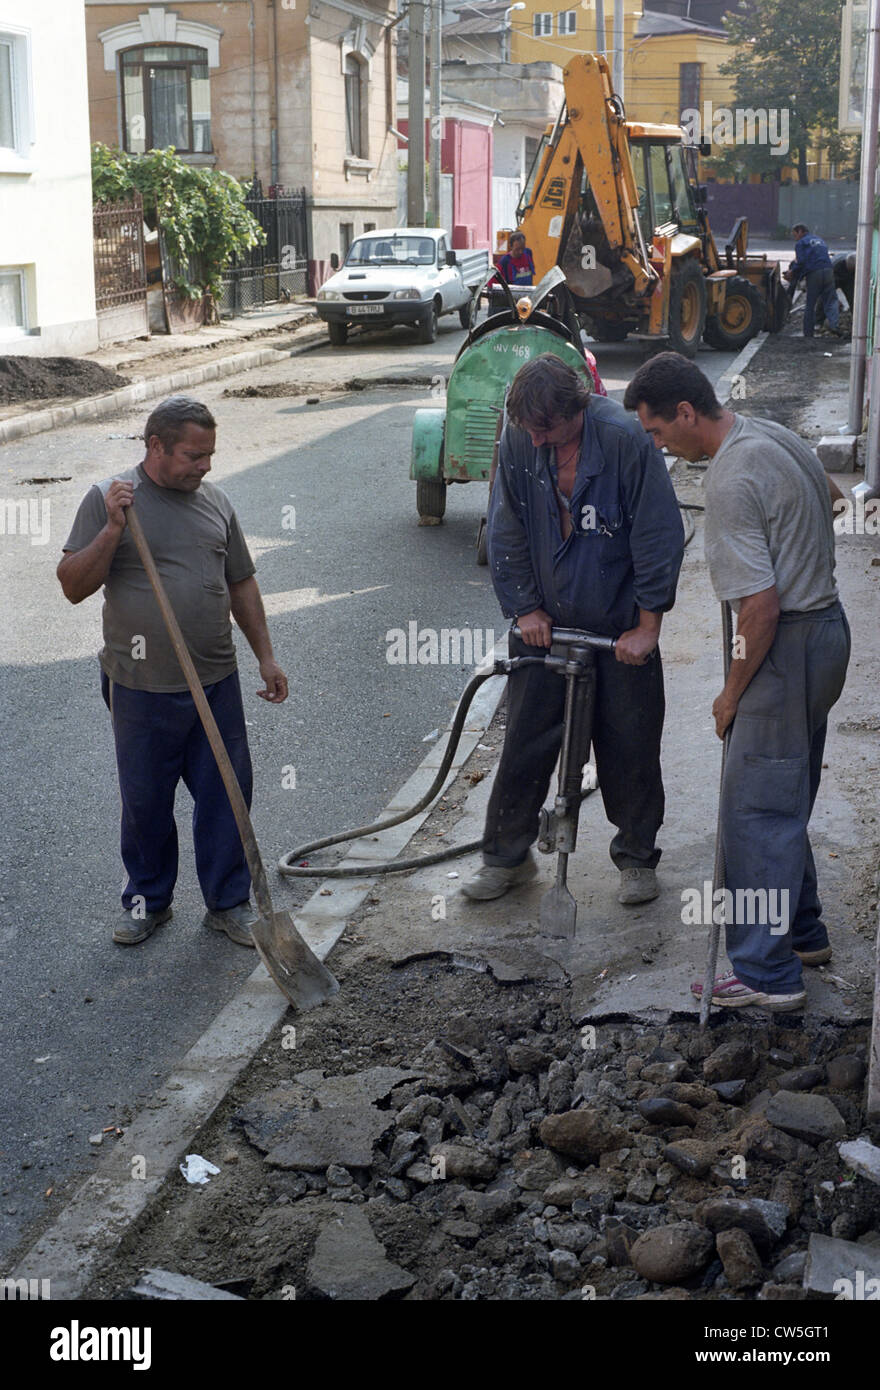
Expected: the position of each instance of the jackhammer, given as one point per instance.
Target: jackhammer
(572, 656)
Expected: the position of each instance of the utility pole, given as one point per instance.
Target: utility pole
(867, 181)
(436, 121)
(600, 26)
(617, 38)
(415, 177)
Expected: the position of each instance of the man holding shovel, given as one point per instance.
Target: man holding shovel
(769, 546)
(204, 562)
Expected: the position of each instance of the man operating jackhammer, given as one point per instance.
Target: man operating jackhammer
(206, 568)
(769, 545)
(584, 532)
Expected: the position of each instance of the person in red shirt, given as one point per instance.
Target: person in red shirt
(517, 267)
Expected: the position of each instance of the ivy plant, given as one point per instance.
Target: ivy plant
(202, 212)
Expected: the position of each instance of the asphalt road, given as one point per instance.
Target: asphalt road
(88, 1028)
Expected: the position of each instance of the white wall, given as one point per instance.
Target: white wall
(46, 193)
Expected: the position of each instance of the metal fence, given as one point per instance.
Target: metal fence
(277, 270)
(120, 268)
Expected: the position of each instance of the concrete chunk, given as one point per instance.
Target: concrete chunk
(349, 1262)
(837, 452)
(840, 1263)
(863, 1156)
(163, 1284)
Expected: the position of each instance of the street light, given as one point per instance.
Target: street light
(505, 37)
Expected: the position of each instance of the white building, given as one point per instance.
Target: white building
(47, 285)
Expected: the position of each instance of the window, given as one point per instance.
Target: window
(166, 99)
(568, 22)
(441, 251)
(354, 103)
(346, 237)
(689, 86)
(542, 24)
(13, 306)
(15, 108)
(660, 186)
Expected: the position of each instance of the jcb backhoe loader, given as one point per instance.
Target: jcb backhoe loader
(616, 204)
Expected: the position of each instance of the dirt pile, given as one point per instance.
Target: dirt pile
(46, 378)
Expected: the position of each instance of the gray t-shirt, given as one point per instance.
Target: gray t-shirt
(769, 518)
(199, 551)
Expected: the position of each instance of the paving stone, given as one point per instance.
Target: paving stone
(764, 1221)
(348, 1262)
(810, 1118)
(830, 1261)
(165, 1285)
(862, 1156)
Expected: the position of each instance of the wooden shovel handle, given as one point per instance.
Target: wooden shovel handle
(718, 868)
(227, 772)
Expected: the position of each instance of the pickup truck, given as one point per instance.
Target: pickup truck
(402, 275)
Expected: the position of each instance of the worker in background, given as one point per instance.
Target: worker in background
(812, 263)
(517, 267)
(844, 270)
(584, 531)
(769, 544)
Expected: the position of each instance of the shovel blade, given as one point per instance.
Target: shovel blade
(558, 912)
(302, 978)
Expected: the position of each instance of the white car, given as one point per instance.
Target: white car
(401, 275)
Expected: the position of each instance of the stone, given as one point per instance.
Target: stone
(846, 1225)
(499, 1120)
(863, 1157)
(689, 1093)
(618, 1240)
(729, 1061)
(785, 1293)
(690, 1156)
(463, 1162)
(337, 1176)
(800, 1079)
(658, 1072)
(831, 1261)
(761, 1140)
(810, 1118)
(837, 452)
(764, 1221)
(465, 1031)
(788, 1190)
(535, 1169)
(525, 1060)
(668, 1254)
(348, 1262)
(397, 1188)
(403, 1151)
(464, 1232)
(845, 1073)
(570, 1235)
(660, 1110)
(565, 1267)
(790, 1269)
(582, 1134)
(560, 1081)
(731, 1091)
(163, 1284)
(640, 1187)
(742, 1264)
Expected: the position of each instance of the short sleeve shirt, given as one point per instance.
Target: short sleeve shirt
(199, 549)
(769, 518)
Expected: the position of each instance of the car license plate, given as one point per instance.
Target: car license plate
(366, 309)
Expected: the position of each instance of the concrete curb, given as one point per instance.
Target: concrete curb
(96, 407)
(725, 384)
(125, 1183)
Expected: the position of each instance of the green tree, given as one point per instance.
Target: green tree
(202, 211)
(787, 57)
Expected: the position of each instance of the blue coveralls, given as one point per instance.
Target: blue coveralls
(813, 262)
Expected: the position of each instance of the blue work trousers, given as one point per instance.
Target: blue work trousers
(820, 290)
(771, 777)
(159, 741)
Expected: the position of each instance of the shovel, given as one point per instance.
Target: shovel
(302, 978)
(718, 869)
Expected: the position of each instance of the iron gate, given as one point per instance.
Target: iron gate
(277, 270)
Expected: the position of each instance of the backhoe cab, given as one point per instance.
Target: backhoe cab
(617, 206)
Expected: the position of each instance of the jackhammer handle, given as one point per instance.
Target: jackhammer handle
(574, 637)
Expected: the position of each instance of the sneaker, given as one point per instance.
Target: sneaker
(730, 993)
(820, 957)
(235, 921)
(493, 880)
(637, 886)
(131, 930)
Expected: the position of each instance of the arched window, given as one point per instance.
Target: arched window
(354, 99)
(166, 98)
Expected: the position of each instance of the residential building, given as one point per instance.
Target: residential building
(47, 293)
(298, 93)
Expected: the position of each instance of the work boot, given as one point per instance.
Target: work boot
(637, 886)
(235, 921)
(494, 880)
(131, 930)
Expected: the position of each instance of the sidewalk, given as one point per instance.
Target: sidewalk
(165, 363)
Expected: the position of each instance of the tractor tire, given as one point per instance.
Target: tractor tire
(687, 308)
(606, 332)
(338, 333)
(431, 498)
(464, 316)
(428, 326)
(778, 309)
(483, 543)
(741, 319)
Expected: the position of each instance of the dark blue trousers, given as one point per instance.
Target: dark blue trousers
(821, 290)
(159, 740)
